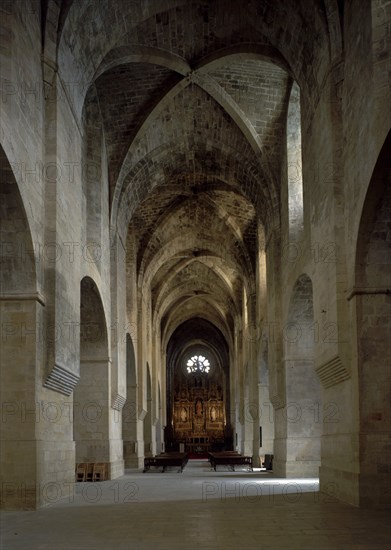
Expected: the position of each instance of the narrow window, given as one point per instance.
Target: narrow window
(294, 164)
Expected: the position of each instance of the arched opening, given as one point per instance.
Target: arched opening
(21, 318)
(298, 452)
(373, 311)
(129, 411)
(294, 164)
(91, 395)
(148, 443)
(159, 428)
(198, 415)
(266, 433)
(266, 422)
(247, 443)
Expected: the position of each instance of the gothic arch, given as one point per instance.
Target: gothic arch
(91, 394)
(372, 304)
(21, 315)
(129, 411)
(148, 420)
(298, 450)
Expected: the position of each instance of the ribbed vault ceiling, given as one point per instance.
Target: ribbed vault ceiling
(193, 99)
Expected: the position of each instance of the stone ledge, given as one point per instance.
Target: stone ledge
(277, 402)
(332, 372)
(118, 402)
(23, 297)
(61, 380)
(367, 290)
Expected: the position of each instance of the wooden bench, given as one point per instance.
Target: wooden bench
(172, 459)
(166, 460)
(230, 459)
(91, 471)
(100, 472)
(213, 454)
(81, 471)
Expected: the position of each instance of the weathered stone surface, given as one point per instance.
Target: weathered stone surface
(177, 174)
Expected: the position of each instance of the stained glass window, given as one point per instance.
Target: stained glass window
(198, 363)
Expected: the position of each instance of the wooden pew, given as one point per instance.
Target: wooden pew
(165, 460)
(212, 454)
(230, 459)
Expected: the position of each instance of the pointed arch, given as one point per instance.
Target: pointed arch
(373, 311)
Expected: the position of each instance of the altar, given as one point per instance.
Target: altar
(198, 401)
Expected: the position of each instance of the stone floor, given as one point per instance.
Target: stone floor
(198, 509)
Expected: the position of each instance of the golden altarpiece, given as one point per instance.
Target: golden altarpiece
(198, 414)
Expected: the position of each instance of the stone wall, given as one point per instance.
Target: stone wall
(144, 150)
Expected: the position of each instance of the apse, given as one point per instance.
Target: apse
(198, 389)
